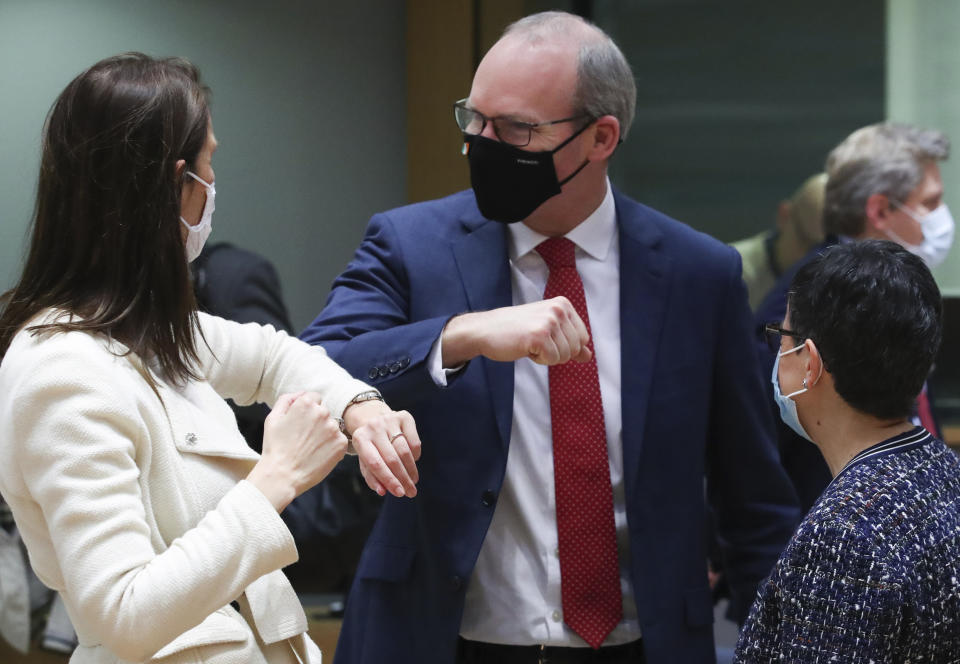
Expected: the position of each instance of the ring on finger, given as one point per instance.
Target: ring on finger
(395, 436)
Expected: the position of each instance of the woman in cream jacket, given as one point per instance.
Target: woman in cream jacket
(135, 494)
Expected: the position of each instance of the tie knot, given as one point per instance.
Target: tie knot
(557, 252)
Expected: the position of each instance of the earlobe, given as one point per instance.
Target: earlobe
(179, 168)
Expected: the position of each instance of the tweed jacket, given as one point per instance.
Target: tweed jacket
(109, 483)
(873, 572)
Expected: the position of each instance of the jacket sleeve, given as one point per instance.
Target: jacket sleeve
(753, 501)
(255, 363)
(366, 325)
(77, 432)
(830, 599)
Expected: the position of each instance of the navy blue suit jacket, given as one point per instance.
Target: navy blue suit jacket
(693, 408)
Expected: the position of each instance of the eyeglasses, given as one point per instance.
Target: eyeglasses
(513, 132)
(774, 331)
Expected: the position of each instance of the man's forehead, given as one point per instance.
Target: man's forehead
(525, 80)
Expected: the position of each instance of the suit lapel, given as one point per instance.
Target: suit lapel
(482, 261)
(644, 286)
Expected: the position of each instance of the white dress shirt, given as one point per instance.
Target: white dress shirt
(514, 593)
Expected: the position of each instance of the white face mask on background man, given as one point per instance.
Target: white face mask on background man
(197, 235)
(937, 227)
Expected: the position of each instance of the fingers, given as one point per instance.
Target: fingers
(371, 481)
(383, 464)
(409, 428)
(546, 352)
(582, 335)
(285, 401)
(389, 447)
(406, 443)
(563, 335)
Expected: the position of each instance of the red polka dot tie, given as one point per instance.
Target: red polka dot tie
(589, 568)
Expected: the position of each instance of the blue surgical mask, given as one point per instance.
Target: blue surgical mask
(788, 407)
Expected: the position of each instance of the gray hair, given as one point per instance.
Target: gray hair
(886, 158)
(605, 84)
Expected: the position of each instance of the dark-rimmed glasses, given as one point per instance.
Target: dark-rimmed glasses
(772, 332)
(514, 132)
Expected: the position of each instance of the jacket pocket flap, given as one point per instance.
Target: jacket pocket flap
(386, 562)
(698, 607)
(218, 627)
(229, 444)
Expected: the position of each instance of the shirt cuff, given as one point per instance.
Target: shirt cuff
(435, 364)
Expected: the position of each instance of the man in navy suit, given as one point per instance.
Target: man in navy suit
(515, 547)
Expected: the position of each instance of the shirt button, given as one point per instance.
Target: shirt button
(556, 616)
(556, 552)
(191, 438)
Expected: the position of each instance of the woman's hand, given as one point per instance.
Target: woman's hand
(301, 445)
(387, 445)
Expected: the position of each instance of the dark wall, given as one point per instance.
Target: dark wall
(740, 101)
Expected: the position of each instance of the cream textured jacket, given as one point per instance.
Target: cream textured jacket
(134, 507)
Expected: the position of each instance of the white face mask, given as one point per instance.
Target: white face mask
(937, 227)
(197, 235)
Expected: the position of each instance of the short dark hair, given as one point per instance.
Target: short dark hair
(874, 312)
(106, 241)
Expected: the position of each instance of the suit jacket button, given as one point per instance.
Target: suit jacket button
(404, 363)
(487, 498)
(456, 583)
(384, 371)
(395, 367)
(373, 373)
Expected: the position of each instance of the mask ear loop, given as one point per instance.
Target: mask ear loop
(804, 381)
(559, 147)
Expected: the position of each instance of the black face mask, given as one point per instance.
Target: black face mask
(511, 183)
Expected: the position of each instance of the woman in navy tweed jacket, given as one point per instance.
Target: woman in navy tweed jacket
(873, 572)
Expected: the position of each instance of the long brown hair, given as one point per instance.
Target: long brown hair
(106, 242)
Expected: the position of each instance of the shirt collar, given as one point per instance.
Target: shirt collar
(593, 235)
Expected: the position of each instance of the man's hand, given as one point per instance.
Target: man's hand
(548, 332)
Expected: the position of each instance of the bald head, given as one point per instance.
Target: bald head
(603, 81)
